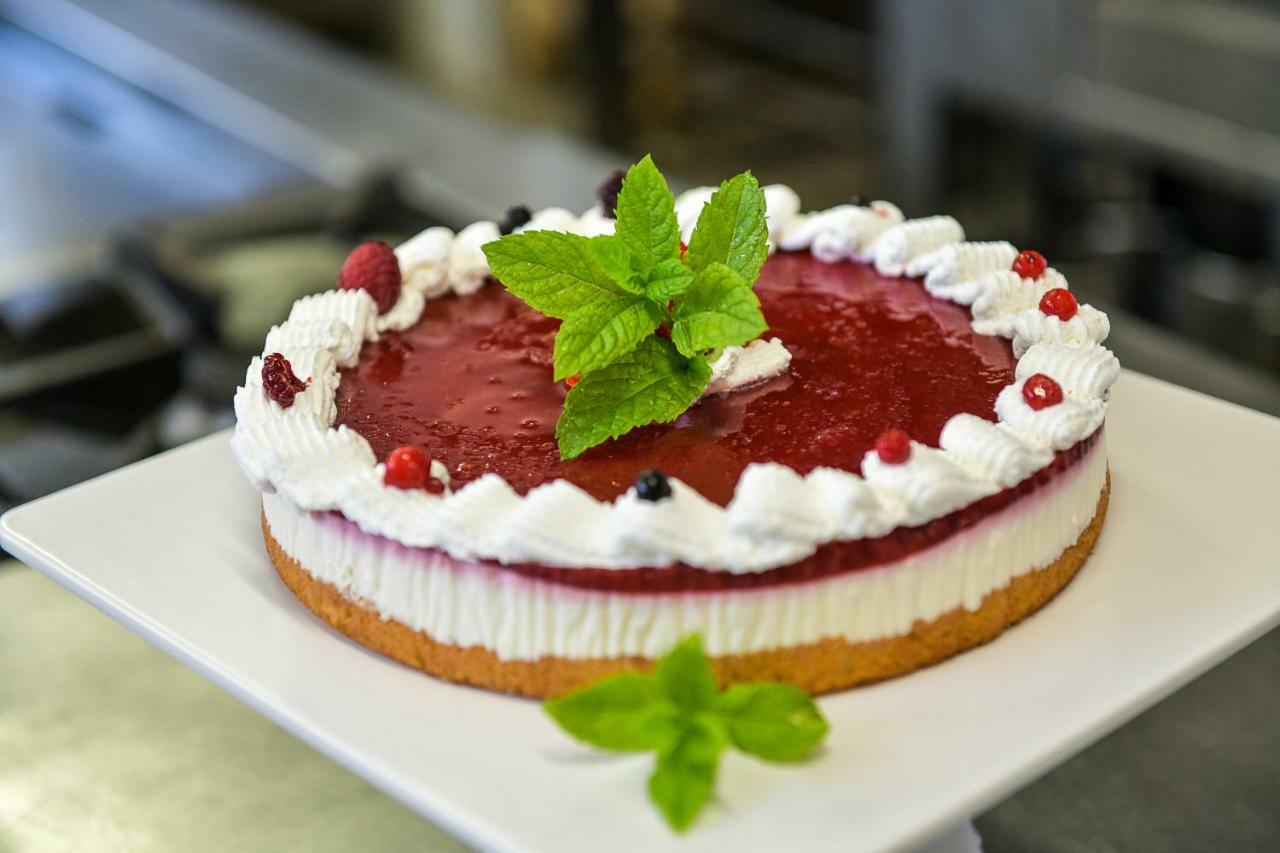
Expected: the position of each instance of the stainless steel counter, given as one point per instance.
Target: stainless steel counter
(108, 745)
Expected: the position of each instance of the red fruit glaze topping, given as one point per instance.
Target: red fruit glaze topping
(373, 267)
(407, 468)
(684, 247)
(893, 447)
(1030, 264)
(279, 380)
(572, 380)
(1041, 392)
(471, 382)
(1059, 303)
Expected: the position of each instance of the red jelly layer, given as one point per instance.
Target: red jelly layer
(471, 385)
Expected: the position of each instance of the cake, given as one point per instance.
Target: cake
(909, 461)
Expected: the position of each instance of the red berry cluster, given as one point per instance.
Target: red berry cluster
(409, 468)
(1059, 303)
(1030, 264)
(1041, 392)
(893, 447)
(373, 267)
(279, 380)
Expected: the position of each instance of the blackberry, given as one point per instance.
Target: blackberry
(514, 218)
(608, 191)
(859, 200)
(652, 485)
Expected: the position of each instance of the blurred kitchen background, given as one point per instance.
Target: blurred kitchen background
(175, 173)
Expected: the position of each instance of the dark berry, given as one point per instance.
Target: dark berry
(652, 485)
(1059, 303)
(608, 191)
(514, 218)
(1041, 392)
(407, 468)
(860, 200)
(893, 447)
(279, 380)
(373, 267)
(1030, 264)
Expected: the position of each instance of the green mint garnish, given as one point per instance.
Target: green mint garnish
(678, 713)
(615, 293)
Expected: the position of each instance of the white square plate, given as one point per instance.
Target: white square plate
(1186, 572)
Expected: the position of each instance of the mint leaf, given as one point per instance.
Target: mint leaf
(625, 713)
(554, 272)
(718, 310)
(776, 722)
(732, 229)
(685, 773)
(667, 280)
(651, 384)
(616, 260)
(684, 676)
(602, 332)
(647, 215)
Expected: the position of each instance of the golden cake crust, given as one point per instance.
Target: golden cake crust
(822, 667)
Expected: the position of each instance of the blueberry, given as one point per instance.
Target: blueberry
(608, 191)
(514, 218)
(652, 485)
(859, 200)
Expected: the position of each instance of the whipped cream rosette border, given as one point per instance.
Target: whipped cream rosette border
(777, 516)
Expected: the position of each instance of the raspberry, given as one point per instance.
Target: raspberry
(608, 191)
(279, 380)
(893, 447)
(514, 218)
(1041, 392)
(407, 468)
(653, 486)
(373, 267)
(1030, 264)
(1059, 303)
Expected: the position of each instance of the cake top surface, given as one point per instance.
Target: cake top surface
(975, 353)
(472, 382)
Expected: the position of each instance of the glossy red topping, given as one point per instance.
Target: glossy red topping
(373, 267)
(407, 468)
(1059, 303)
(1041, 392)
(684, 247)
(572, 380)
(1030, 264)
(279, 380)
(893, 447)
(472, 382)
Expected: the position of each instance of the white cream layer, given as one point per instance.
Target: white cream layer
(471, 604)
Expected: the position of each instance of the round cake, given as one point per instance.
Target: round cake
(909, 461)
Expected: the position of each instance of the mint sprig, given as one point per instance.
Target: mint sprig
(678, 713)
(617, 294)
